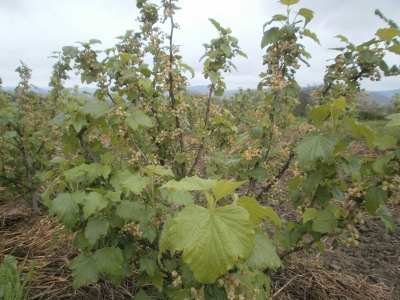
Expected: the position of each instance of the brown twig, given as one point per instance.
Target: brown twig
(84, 145)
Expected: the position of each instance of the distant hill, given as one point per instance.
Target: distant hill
(383, 98)
(377, 97)
(388, 94)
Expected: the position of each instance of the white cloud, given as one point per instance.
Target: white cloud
(32, 30)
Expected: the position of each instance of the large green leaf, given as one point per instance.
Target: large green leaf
(387, 34)
(159, 170)
(380, 164)
(270, 36)
(180, 197)
(363, 130)
(66, 209)
(308, 14)
(319, 114)
(95, 108)
(316, 145)
(394, 49)
(387, 218)
(311, 35)
(95, 228)
(194, 183)
(257, 212)
(289, 2)
(109, 260)
(135, 184)
(264, 254)
(93, 202)
(324, 222)
(217, 239)
(118, 178)
(385, 142)
(138, 118)
(226, 49)
(225, 187)
(309, 214)
(374, 198)
(146, 84)
(148, 265)
(83, 270)
(129, 211)
(394, 120)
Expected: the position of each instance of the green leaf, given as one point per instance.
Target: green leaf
(264, 254)
(374, 198)
(159, 170)
(270, 36)
(342, 38)
(95, 228)
(257, 212)
(318, 114)
(93, 202)
(70, 51)
(277, 17)
(380, 164)
(217, 239)
(146, 84)
(214, 77)
(226, 49)
(95, 108)
(216, 24)
(308, 14)
(180, 197)
(259, 174)
(129, 211)
(324, 222)
(225, 187)
(194, 183)
(387, 218)
(158, 279)
(148, 265)
(78, 122)
(66, 209)
(311, 35)
(135, 184)
(363, 130)
(138, 118)
(387, 34)
(394, 120)
(316, 145)
(369, 56)
(188, 68)
(83, 270)
(109, 260)
(289, 2)
(309, 214)
(394, 49)
(10, 134)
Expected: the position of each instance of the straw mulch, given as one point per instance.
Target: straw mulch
(27, 235)
(306, 281)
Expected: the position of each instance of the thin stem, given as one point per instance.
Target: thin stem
(141, 152)
(15, 182)
(84, 145)
(279, 176)
(205, 128)
(111, 98)
(171, 92)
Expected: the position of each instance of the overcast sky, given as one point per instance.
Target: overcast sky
(31, 30)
